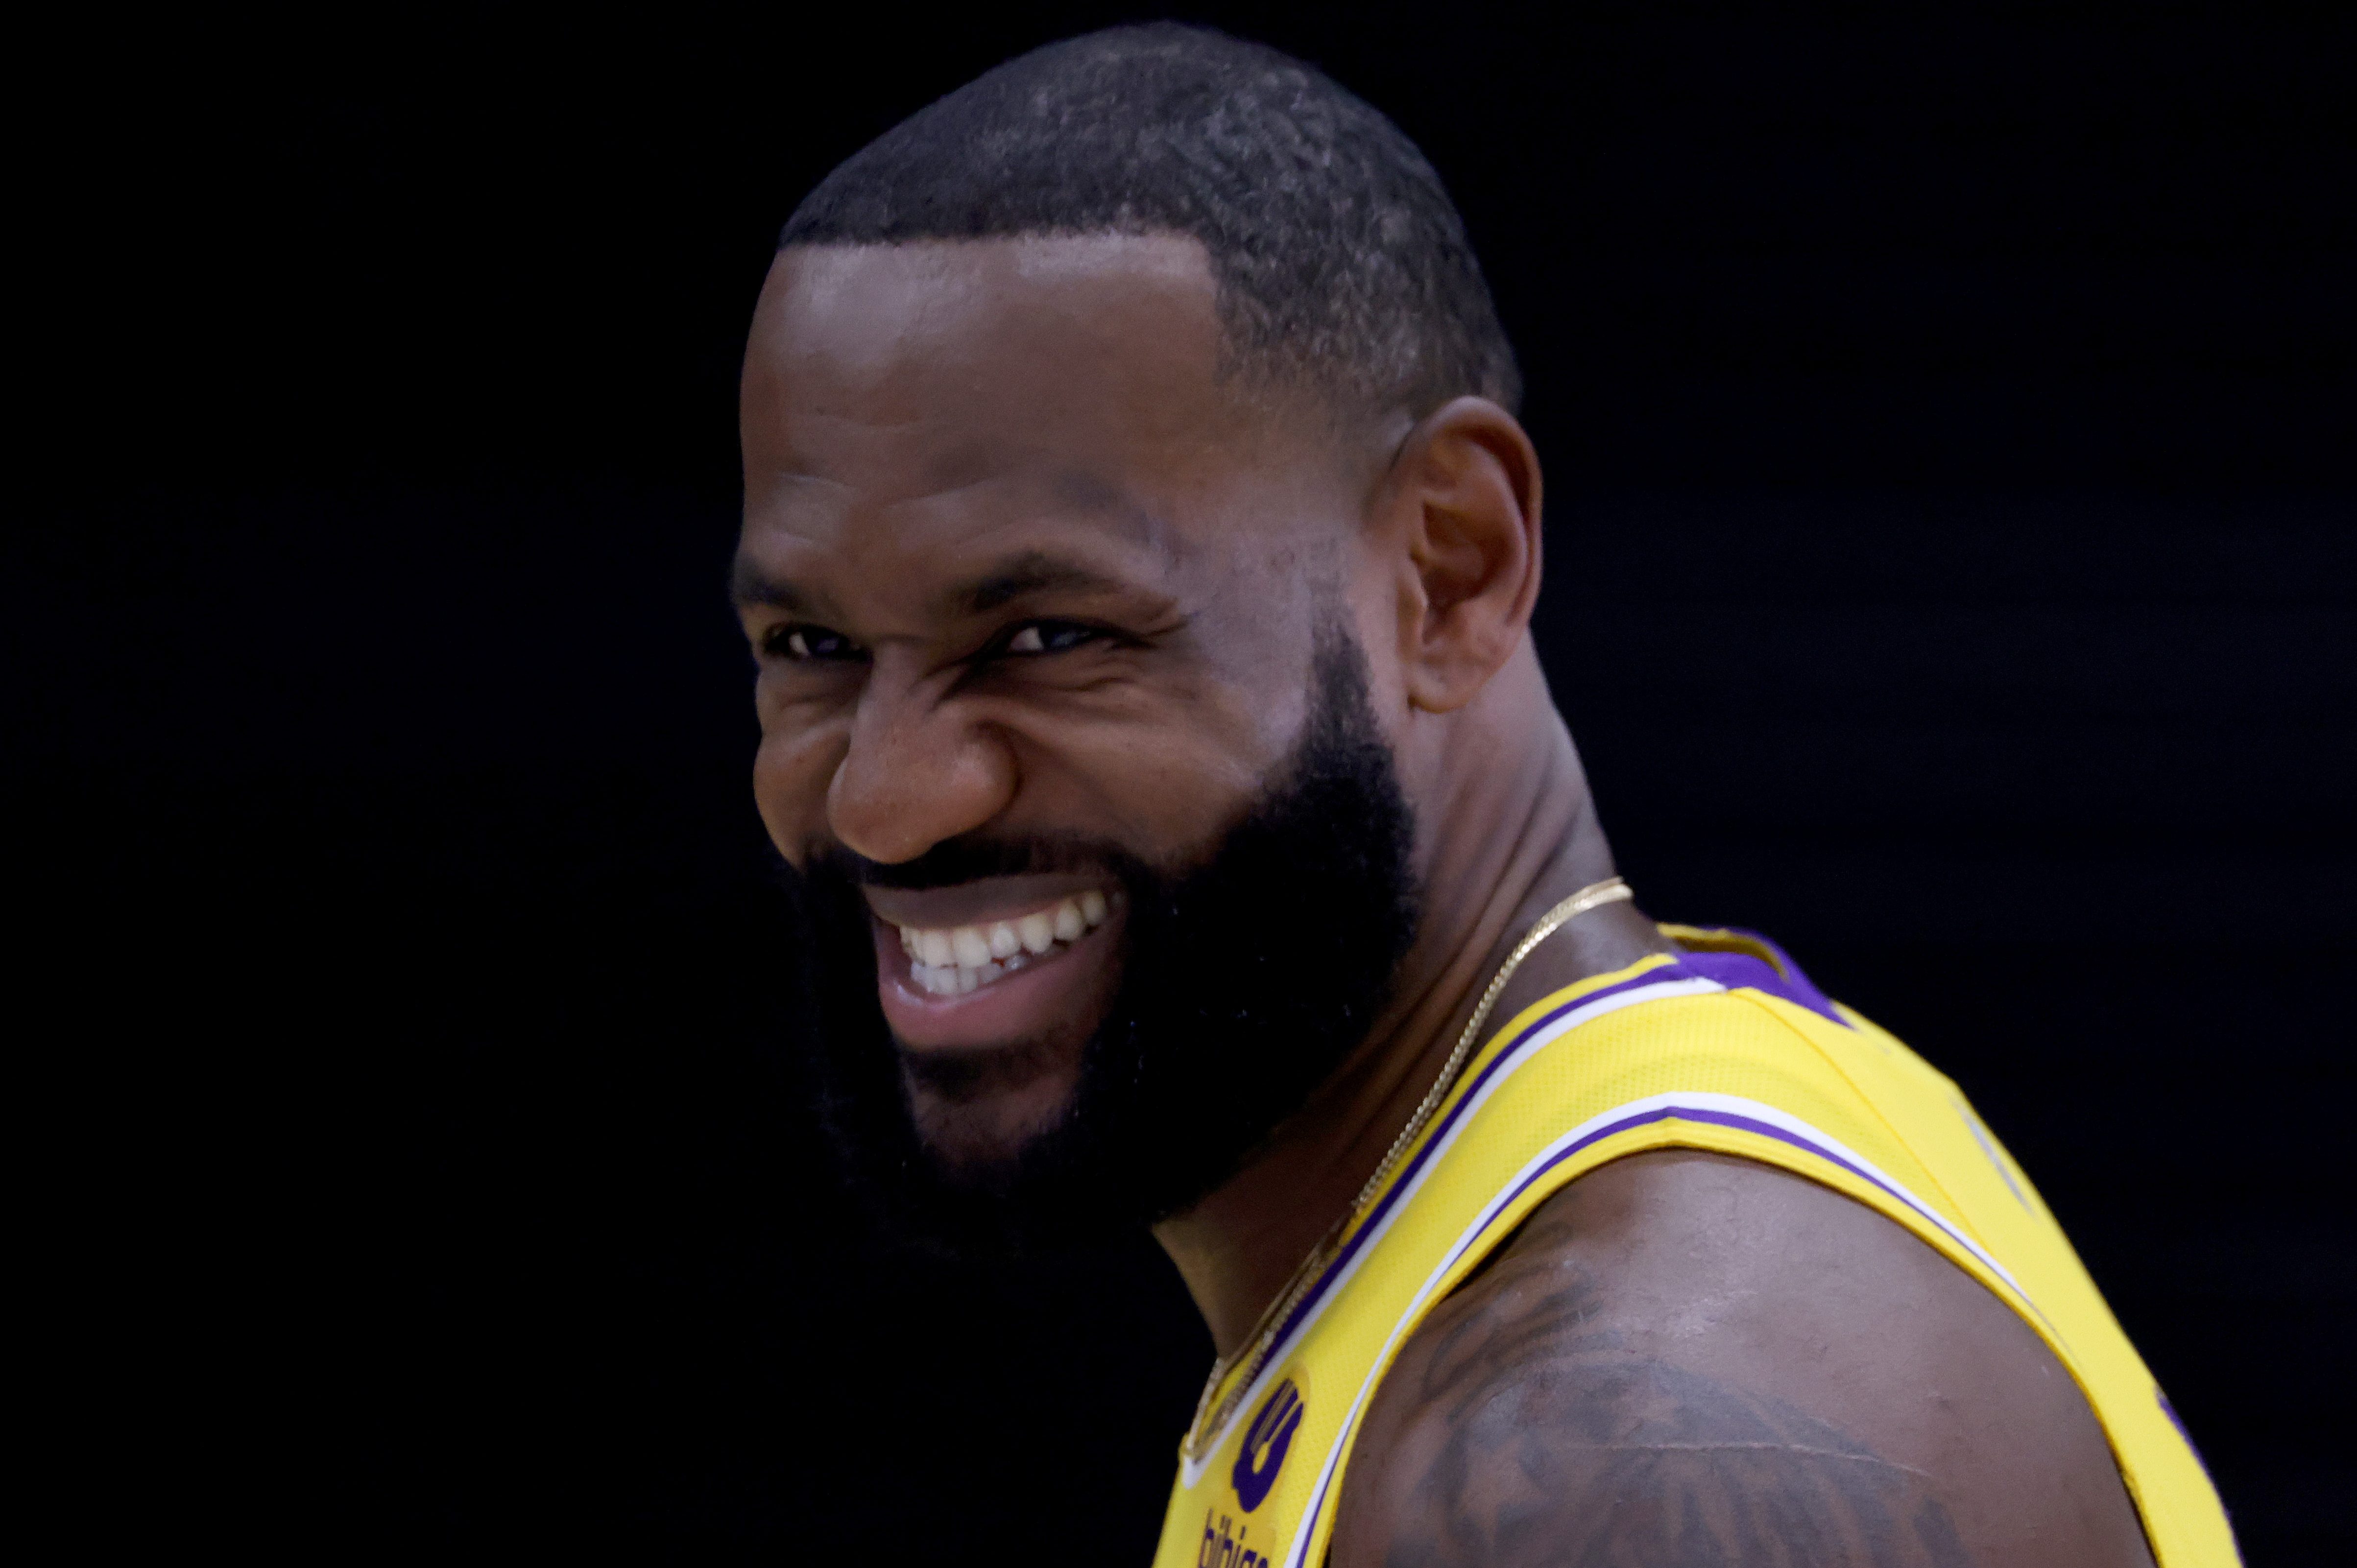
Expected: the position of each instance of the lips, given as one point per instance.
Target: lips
(952, 960)
(996, 961)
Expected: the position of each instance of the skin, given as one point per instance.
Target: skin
(1023, 556)
(1646, 1374)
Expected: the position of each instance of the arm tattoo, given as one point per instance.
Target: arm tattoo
(1557, 1445)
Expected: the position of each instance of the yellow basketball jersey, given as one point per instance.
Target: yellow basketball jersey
(1725, 1046)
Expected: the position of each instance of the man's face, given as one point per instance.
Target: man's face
(1050, 622)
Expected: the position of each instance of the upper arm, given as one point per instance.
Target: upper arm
(1688, 1359)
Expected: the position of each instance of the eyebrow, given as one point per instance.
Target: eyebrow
(1034, 572)
(748, 586)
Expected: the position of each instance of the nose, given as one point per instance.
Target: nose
(919, 770)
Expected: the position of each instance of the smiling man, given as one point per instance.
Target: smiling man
(1139, 549)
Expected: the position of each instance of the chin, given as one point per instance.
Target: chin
(976, 1112)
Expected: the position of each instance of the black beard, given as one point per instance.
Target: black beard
(1245, 983)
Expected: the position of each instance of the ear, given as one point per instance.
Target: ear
(1463, 495)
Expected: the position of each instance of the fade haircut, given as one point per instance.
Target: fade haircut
(1341, 265)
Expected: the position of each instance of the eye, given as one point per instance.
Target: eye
(1052, 636)
(811, 644)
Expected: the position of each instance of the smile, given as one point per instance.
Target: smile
(951, 960)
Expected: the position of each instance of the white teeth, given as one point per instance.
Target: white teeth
(954, 961)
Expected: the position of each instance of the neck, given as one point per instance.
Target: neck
(1508, 839)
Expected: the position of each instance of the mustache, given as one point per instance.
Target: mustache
(971, 858)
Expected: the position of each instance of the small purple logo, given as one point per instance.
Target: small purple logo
(1263, 1453)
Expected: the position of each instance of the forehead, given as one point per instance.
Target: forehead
(912, 370)
(910, 398)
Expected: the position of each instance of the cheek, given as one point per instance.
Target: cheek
(1383, 604)
(1171, 773)
(791, 773)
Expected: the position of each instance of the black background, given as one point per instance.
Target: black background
(1952, 522)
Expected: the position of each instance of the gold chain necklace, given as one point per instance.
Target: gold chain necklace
(1255, 1350)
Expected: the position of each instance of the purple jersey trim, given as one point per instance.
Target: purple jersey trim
(2201, 1464)
(1783, 978)
(1715, 1118)
(2169, 1410)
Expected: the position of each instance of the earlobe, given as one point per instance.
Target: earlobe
(1466, 484)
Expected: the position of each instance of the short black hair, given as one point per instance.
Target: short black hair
(1341, 264)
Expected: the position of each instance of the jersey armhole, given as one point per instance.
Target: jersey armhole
(1705, 1123)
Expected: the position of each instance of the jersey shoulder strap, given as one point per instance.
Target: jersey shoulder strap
(1725, 1047)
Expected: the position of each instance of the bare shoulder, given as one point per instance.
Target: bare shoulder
(1686, 1358)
